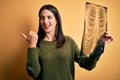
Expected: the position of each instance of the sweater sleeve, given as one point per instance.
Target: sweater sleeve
(33, 66)
(89, 62)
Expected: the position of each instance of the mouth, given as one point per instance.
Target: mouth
(46, 26)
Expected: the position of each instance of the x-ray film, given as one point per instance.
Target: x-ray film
(94, 26)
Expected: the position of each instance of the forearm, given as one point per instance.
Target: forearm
(33, 66)
(89, 62)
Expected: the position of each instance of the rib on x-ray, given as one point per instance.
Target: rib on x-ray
(94, 27)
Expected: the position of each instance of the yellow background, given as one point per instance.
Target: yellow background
(18, 16)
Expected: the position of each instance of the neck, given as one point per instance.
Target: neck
(49, 37)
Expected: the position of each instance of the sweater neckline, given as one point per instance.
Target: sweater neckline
(48, 42)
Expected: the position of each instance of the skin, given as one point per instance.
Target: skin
(48, 22)
(108, 37)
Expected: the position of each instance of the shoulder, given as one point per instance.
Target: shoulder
(71, 42)
(69, 39)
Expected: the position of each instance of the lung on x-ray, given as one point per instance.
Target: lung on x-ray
(95, 24)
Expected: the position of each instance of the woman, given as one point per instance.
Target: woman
(51, 55)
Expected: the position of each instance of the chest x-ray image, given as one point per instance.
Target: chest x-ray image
(95, 24)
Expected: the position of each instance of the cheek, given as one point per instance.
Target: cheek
(54, 23)
(41, 23)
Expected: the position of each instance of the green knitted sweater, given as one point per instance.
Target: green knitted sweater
(50, 63)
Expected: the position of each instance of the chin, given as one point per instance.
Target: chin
(47, 31)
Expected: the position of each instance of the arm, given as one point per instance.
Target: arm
(33, 66)
(90, 62)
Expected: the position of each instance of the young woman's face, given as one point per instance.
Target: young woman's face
(48, 21)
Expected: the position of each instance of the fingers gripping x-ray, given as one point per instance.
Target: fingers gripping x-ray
(94, 27)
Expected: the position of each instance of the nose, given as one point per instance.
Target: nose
(45, 20)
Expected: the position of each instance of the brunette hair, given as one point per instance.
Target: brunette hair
(59, 36)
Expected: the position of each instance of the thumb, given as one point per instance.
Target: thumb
(25, 37)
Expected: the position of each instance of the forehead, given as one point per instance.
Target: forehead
(46, 12)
